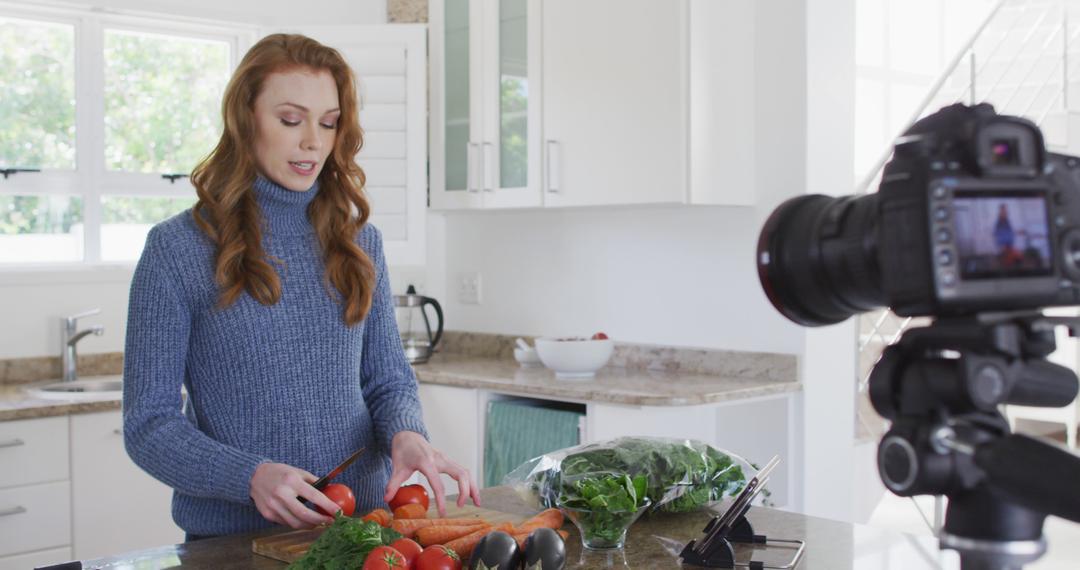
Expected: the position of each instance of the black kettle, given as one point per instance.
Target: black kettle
(419, 344)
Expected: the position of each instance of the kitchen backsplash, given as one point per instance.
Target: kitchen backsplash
(36, 369)
(407, 11)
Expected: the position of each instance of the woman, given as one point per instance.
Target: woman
(269, 302)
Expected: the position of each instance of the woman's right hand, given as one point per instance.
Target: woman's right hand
(275, 488)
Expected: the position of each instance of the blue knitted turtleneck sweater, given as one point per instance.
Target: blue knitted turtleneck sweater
(288, 383)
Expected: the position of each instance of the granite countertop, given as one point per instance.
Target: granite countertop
(637, 375)
(653, 542)
(612, 384)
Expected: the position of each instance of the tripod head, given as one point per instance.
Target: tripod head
(941, 386)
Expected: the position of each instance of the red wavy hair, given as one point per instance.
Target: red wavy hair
(228, 213)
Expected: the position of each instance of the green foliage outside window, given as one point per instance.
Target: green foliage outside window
(162, 100)
(39, 214)
(37, 95)
(123, 210)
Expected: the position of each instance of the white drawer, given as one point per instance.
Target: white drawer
(35, 559)
(35, 517)
(33, 451)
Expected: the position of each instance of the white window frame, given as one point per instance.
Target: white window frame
(90, 180)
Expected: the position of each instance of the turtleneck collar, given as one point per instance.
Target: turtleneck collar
(284, 211)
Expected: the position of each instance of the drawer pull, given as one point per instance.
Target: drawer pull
(12, 511)
(118, 431)
(12, 443)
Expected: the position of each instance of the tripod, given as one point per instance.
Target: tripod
(941, 386)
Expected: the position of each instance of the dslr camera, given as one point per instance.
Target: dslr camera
(976, 225)
(972, 215)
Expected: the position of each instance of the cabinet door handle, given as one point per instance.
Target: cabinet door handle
(554, 166)
(470, 170)
(485, 168)
(12, 443)
(12, 511)
(118, 431)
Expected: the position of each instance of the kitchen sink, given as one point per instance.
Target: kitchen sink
(90, 388)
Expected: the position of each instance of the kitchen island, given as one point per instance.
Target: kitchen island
(653, 542)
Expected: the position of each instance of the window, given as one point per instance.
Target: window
(103, 116)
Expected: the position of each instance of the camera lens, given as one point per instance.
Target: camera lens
(817, 258)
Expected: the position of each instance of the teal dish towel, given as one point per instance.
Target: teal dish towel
(519, 430)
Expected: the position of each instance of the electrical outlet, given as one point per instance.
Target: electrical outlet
(469, 288)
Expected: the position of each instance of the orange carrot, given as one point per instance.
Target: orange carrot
(521, 537)
(380, 516)
(464, 546)
(550, 518)
(438, 534)
(408, 527)
(410, 511)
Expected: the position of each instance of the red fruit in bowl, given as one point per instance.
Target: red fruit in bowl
(599, 336)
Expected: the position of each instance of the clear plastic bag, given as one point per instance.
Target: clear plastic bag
(677, 475)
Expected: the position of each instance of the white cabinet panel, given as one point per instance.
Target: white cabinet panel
(452, 417)
(384, 144)
(383, 117)
(387, 199)
(382, 89)
(615, 102)
(117, 507)
(35, 559)
(35, 517)
(33, 451)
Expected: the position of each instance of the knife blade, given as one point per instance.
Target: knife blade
(322, 481)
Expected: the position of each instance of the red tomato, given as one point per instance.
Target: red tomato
(410, 494)
(384, 558)
(341, 495)
(438, 557)
(408, 548)
(599, 336)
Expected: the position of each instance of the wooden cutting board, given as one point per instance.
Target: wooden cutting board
(290, 546)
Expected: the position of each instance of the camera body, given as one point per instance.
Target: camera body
(972, 215)
(976, 216)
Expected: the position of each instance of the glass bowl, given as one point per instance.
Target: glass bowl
(603, 529)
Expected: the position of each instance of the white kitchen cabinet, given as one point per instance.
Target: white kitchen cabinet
(35, 493)
(116, 506)
(389, 63)
(35, 517)
(615, 103)
(639, 102)
(452, 417)
(485, 106)
(39, 449)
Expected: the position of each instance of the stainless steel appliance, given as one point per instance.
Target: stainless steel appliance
(419, 343)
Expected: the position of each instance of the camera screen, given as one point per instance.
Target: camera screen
(1001, 235)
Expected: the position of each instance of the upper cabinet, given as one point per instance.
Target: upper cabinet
(561, 103)
(485, 106)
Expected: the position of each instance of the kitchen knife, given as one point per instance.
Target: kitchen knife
(322, 481)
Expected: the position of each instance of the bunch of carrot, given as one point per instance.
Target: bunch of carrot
(462, 534)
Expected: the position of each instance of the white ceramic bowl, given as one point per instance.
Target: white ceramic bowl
(578, 358)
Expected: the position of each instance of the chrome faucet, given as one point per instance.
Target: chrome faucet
(69, 337)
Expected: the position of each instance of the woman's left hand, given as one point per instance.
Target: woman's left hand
(410, 452)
